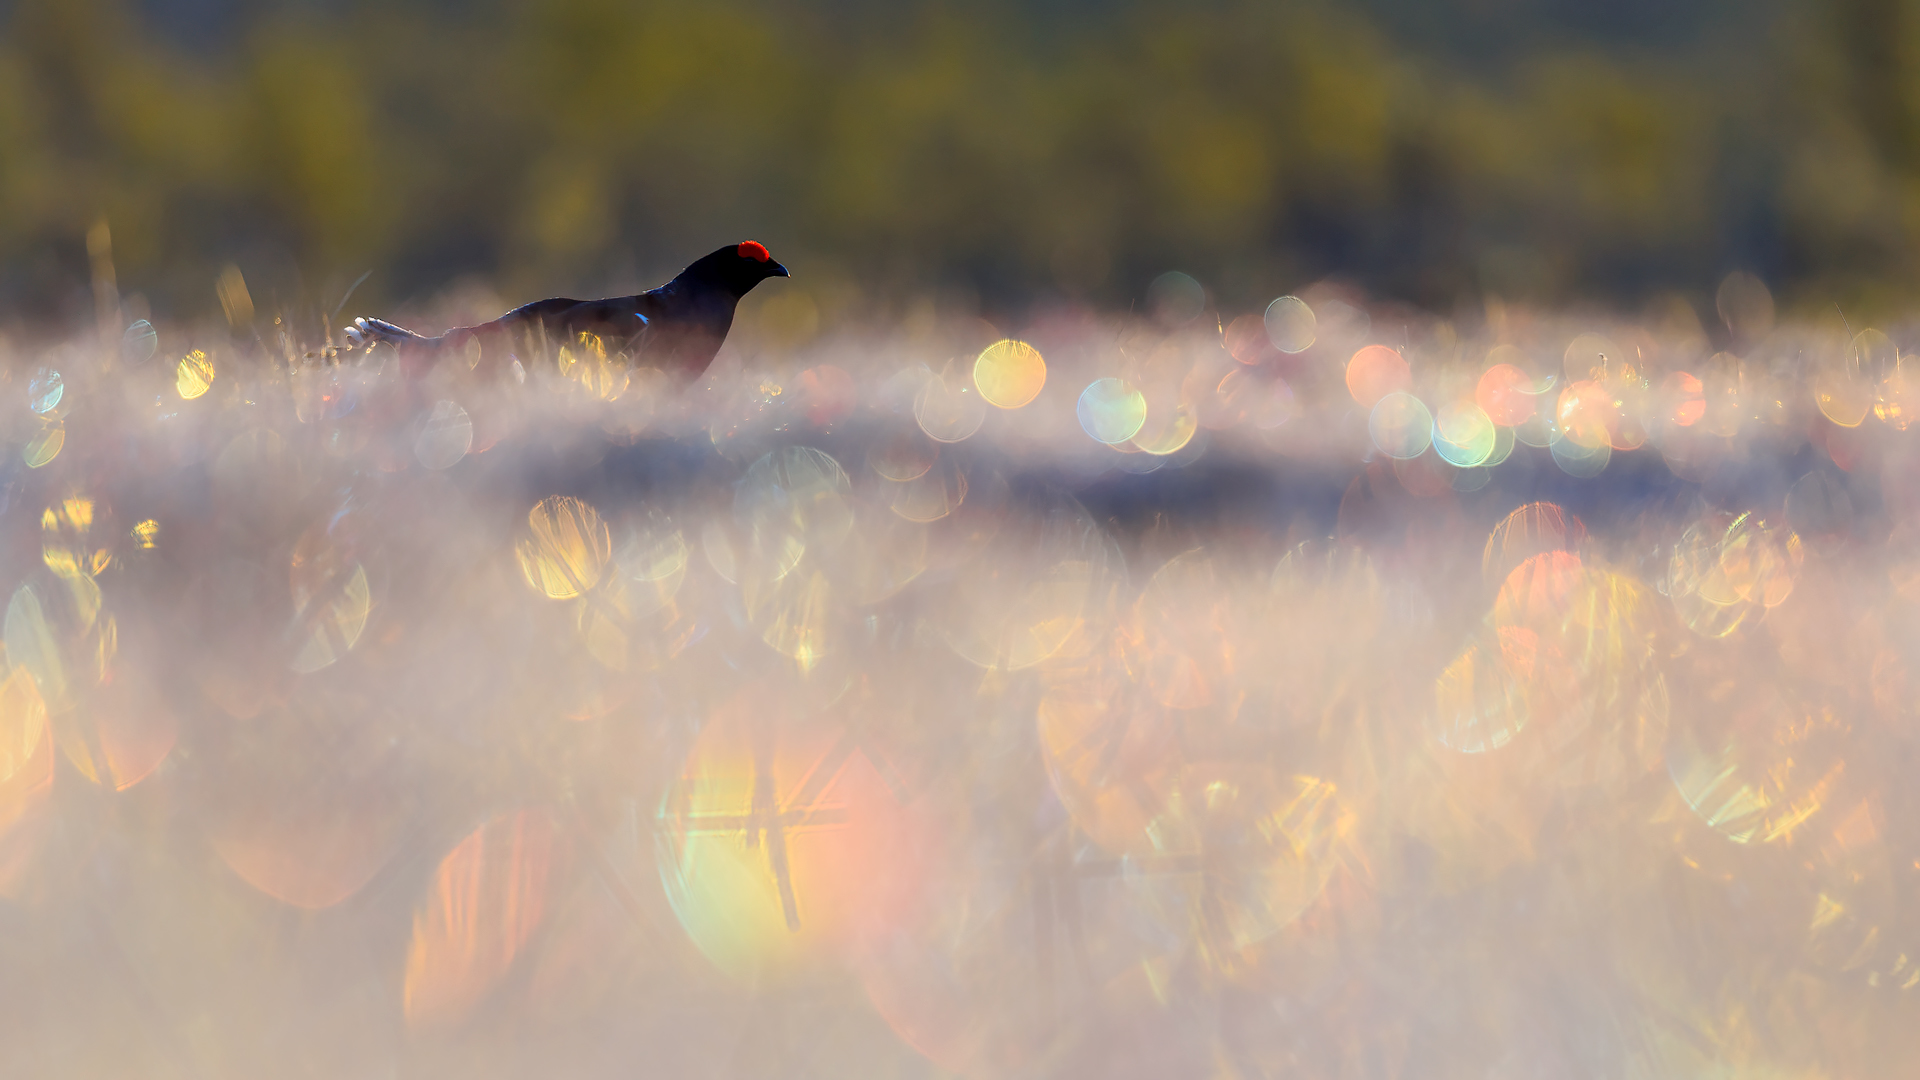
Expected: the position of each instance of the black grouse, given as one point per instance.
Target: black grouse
(677, 327)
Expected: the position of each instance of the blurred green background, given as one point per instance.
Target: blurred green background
(1556, 151)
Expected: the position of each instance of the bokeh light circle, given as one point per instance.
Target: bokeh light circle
(445, 437)
(1111, 410)
(564, 548)
(139, 343)
(1745, 303)
(1291, 325)
(1579, 460)
(1505, 393)
(1246, 340)
(1685, 398)
(1590, 356)
(193, 376)
(1872, 355)
(1376, 371)
(1176, 298)
(1842, 398)
(1539, 430)
(1585, 414)
(948, 413)
(44, 446)
(1009, 373)
(1464, 435)
(1503, 441)
(45, 390)
(1167, 430)
(1400, 426)
(903, 456)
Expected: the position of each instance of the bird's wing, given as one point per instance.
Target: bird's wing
(540, 317)
(540, 311)
(650, 306)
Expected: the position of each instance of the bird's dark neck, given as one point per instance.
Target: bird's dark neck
(691, 301)
(697, 280)
(697, 296)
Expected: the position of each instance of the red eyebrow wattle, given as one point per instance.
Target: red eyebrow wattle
(755, 251)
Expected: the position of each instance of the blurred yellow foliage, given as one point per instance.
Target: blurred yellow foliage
(561, 144)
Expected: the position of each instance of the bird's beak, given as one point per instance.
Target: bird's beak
(780, 271)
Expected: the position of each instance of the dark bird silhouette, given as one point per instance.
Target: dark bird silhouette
(677, 327)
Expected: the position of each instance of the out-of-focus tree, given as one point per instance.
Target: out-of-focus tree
(1849, 96)
(1010, 150)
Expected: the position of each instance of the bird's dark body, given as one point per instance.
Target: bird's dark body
(677, 327)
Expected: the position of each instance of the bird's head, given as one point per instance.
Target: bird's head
(739, 267)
